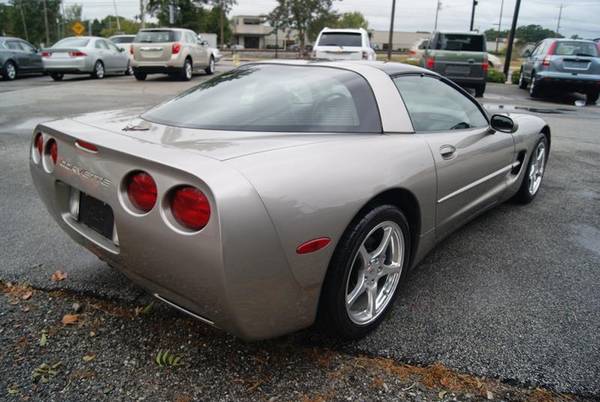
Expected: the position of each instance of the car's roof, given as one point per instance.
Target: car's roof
(390, 68)
(351, 30)
(474, 33)
(165, 29)
(11, 38)
(122, 36)
(83, 37)
(572, 40)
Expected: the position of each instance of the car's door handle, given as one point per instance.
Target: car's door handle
(471, 61)
(447, 151)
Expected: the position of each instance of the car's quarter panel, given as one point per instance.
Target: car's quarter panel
(221, 273)
(316, 190)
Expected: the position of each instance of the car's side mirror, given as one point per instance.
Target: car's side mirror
(503, 123)
(204, 43)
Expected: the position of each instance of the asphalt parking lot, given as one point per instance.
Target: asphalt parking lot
(511, 297)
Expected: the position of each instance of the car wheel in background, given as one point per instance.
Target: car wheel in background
(522, 81)
(534, 87)
(479, 91)
(128, 70)
(367, 266)
(98, 70)
(57, 76)
(211, 66)
(534, 172)
(186, 70)
(592, 97)
(9, 71)
(140, 76)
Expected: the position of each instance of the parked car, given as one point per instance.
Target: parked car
(123, 41)
(343, 44)
(84, 55)
(418, 49)
(18, 57)
(460, 56)
(277, 193)
(173, 51)
(562, 65)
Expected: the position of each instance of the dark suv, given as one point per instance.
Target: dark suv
(460, 56)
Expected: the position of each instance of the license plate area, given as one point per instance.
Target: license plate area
(96, 215)
(458, 70)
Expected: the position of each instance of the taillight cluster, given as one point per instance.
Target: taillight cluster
(77, 53)
(175, 48)
(187, 205)
(45, 153)
(430, 63)
(551, 50)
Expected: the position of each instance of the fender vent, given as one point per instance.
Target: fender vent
(520, 159)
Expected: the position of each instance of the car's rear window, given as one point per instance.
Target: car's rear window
(122, 39)
(157, 36)
(275, 98)
(72, 42)
(460, 42)
(340, 39)
(564, 48)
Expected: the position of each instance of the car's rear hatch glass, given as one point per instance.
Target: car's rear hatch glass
(157, 36)
(460, 42)
(576, 56)
(341, 39)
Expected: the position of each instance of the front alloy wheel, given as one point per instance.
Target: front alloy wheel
(364, 273)
(534, 172)
(211, 66)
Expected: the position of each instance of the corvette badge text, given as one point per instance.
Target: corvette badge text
(84, 173)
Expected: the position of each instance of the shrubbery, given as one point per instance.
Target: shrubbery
(495, 76)
(514, 78)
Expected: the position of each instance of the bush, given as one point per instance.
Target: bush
(514, 78)
(495, 76)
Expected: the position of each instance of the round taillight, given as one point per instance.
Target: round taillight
(142, 191)
(53, 150)
(190, 207)
(39, 143)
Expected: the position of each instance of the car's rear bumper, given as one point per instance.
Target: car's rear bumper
(158, 69)
(232, 274)
(568, 81)
(75, 65)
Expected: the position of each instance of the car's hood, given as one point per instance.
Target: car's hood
(215, 144)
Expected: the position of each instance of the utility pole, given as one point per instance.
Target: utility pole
(46, 22)
(437, 11)
(511, 37)
(117, 15)
(499, 25)
(559, 17)
(473, 14)
(221, 22)
(142, 14)
(391, 38)
(23, 19)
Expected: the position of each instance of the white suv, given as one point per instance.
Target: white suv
(343, 44)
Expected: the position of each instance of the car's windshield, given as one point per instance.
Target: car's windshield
(72, 42)
(275, 98)
(122, 39)
(340, 39)
(564, 48)
(460, 42)
(157, 36)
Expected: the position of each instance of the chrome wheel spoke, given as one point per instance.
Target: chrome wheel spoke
(385, 242)
(372, 301)
(391, 269)
(358, 290)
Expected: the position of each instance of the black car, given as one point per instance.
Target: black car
(18, 57)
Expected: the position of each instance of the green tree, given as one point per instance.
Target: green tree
(28, 22)
(189, 14)
(325, 20)
(353, 19)
(127, 26)
(223, 7)
(7, 19)
(299, 15)
(534, 33)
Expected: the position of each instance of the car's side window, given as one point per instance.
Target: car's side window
(112, 47)
(14, 45)
(538, 49)
(433, 105)
(27, 47)
(100, 44)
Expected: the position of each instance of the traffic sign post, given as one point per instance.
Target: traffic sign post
(78, 28)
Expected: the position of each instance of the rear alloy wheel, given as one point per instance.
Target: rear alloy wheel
(592, 98)
(9, 71)
(57, 76)
(522, 81)
(139, 75)
(367, 266)
(534, 173)
(211, 66)
(534, 88)
(98, 70)
(186, 70)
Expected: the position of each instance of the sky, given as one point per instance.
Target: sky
(580, 17)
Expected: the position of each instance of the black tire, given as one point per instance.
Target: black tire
(9, 71)
(186, 71)
(333, 316)
(535, 89)
(98, 72)
(479, 91)
(210, 70)
(522, 81)
(57, 76)
(592, 97)
(524, 195)
(139, 75)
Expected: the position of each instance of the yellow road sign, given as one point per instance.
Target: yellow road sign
(78, 28)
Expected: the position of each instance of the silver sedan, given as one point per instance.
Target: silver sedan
(280, 194)
(85, 55)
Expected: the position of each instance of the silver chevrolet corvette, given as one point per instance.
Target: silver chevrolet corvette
(278, 195)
